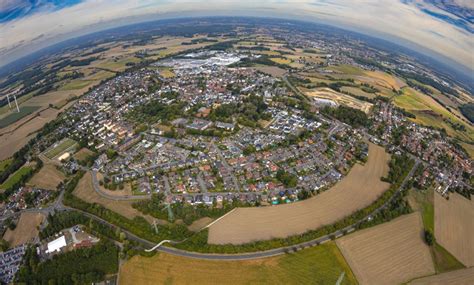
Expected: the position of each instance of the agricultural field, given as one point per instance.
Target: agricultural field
(86, 192)
(16, 177)
(339, 98)
(358, 92)
(357, 190)
(430, 113)
(66, 145)
(390, 253)
(16, 135)
(15, 116)
(323, 264)
(26, 230)
(272, 70)
(47, 178)
(454, 227)
(423, 202)
(460, 277)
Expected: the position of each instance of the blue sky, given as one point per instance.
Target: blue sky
(446, 28)
(17, 9)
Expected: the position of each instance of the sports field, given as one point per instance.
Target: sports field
(323, 264)
(357, 190)
(454, 226)
(60, 148)
(26, 229)
(390, 253)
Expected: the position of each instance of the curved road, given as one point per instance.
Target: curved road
(95, 184)
(252, 255)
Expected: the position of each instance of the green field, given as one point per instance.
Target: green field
(428, 112)
(75, 84)
(16, 177)
(442, 259)
(4, 164)
(60, 148)
(14, 116)
(317, 265)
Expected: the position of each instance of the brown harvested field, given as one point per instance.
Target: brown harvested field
(13, 141)
(357, 190)
(86, 192)
(454, 226)
(316, 265)
(386, 80)
(47, 178)
(26, 229)
(14, 138)
(272, 70)
(458, 277)
(390, 253)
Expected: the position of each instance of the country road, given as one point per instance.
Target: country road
(58, 206)
(277, 251)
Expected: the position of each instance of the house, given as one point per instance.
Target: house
(225, 126)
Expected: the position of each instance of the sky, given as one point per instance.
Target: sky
(445, 27)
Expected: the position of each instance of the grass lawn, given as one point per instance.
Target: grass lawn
(14, 116)
(443, 260)
(60, 148)
(15, 177)
(317, 265)
(4, 164)
(83, 154)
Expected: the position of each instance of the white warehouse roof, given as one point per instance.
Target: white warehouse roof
(56, 244)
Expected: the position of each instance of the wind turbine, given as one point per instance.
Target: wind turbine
(10, 104)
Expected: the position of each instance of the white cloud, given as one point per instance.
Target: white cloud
(384, 17)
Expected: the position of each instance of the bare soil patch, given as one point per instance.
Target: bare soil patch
(26, 230)
(357, 190)
(454, 226)
(390, 253)
(86, 192)
(47, 178)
